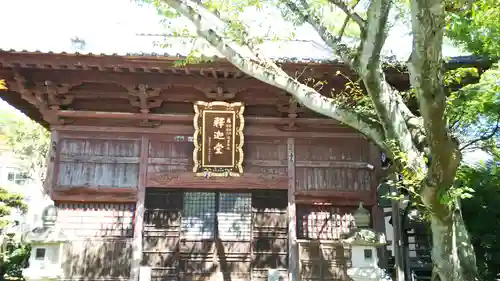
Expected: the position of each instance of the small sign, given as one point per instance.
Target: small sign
(218, 138)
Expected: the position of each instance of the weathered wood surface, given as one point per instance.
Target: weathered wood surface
(259, 243)
(340, 165)
(101, 236)
(270, 234)
(139, 211)
(98, 163)
(97, 259)
(170, 165)
(321, 254)
(95, 195)
(323, 261)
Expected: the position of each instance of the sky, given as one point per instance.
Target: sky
(111, 26)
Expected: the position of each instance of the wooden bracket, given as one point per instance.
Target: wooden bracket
(36, 97)
(292, 109)
(220, 92)
(57, 94)
(144, 97)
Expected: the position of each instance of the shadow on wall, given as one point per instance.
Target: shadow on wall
(102, 240)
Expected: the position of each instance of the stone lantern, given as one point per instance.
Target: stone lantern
(363, 243)
(47, 242)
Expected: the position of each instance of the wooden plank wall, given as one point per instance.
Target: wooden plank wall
(101, 234)
(266, 155)
(98, 163)
(170, 164)
(338, 165)
(270, 234)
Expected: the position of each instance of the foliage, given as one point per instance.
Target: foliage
(474, 110)
(475, 26)
(481, 214)
(9, 201)
(28, 139)
(13, 260)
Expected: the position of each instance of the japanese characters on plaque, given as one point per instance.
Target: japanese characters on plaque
(218, 138)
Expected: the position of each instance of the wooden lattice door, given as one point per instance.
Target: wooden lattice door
(198, 235)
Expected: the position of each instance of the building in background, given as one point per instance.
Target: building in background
(16, 178)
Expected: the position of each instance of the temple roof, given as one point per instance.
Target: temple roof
(175, 47)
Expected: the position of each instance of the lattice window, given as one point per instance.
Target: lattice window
(235, 216)
(96, 220)
(198, 215)
(323, 222)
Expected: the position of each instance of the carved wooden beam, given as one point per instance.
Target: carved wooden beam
(34, 96)
(19, 84)
(153, 80)
(220, 92)
(57, 94)
(144, 97)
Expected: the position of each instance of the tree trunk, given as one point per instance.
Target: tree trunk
(452, 251)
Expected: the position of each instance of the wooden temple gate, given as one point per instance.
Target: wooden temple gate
(121, 172)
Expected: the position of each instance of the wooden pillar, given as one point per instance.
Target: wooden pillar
(52, 164)
(291, 210)
(396, 226)
(377, 212)
(139, 211)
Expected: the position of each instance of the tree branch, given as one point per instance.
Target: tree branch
(372, 43)
(393, 114)
(310, 17)
(349, 11)
(485, 136)
(275, 76)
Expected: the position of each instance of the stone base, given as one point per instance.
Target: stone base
(41, 275)
(365, 273)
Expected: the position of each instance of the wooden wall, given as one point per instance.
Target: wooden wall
(101, 235)
(112, 163)
(340, 165)
(323, 166)
(96, 168)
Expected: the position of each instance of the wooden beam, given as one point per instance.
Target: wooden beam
(293, 251)
(185, 117)
(339, 197)
(153, 80)
(139, 211)
(99, 159)
(263, 163)
(190, 180)
(91, 194)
